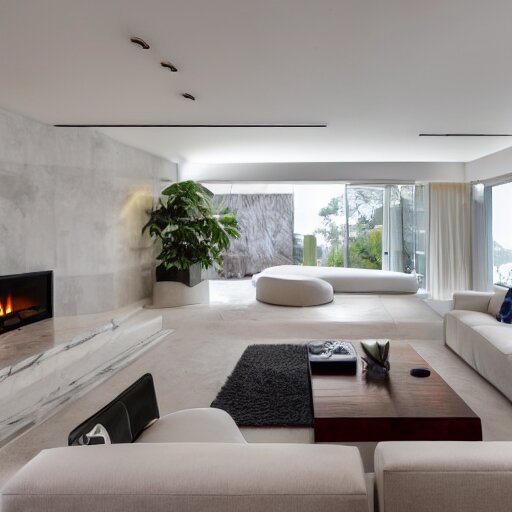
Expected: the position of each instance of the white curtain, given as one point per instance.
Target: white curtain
(481, 236)
(450, 239)
(392, 230)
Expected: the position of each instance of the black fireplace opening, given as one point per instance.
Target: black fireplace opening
(25, 298)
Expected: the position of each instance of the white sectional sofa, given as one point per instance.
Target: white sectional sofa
(444, 476)
(190, 477)
(233, 477)
(472, 331)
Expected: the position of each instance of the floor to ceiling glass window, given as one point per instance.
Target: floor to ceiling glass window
(333, 224)
(319, 224)
(365, 219)
(502, 234)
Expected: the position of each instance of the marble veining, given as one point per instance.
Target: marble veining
(20, 346)
(36, 387)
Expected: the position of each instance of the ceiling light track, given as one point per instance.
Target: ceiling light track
(465, 135)
(308, 125)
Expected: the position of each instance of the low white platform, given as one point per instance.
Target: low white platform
(351, 280)
(34, 388)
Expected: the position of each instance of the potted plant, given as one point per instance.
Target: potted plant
(190, 234)
(377, 358)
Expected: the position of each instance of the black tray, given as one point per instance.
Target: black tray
(342, 359)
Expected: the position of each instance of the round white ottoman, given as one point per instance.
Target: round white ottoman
(290, 290)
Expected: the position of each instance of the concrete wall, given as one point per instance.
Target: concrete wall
(375, 172)
(74, 201)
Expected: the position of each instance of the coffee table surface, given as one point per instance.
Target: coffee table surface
(352, 408)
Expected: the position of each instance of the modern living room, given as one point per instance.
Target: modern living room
(257, 253)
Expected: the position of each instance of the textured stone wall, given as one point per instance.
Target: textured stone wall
(74, 201)
(266, 227)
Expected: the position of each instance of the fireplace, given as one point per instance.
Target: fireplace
(24, 299)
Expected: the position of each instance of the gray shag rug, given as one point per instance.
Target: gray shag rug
(269, 386)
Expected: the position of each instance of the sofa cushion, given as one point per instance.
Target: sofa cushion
(505, 314)
(497, 335)
(497, 300)
(206, 425)
(472, 318)
(211, 477)
(444, 476)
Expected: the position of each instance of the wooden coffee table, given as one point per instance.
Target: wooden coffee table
(402, 408)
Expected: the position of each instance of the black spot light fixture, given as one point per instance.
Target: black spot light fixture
(140, 42)
(165, 63)
(169, 66)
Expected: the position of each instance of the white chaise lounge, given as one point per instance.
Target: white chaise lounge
(351, 280)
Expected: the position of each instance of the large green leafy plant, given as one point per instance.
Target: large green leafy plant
(188, 229)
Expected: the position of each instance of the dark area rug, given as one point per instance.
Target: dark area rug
(270, 386)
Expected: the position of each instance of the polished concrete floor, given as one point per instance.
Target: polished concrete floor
(190, 365)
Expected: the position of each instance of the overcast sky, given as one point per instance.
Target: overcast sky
(502, 214)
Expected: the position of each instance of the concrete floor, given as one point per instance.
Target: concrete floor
(190, 365)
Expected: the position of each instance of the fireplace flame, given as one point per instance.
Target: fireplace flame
(7, 307)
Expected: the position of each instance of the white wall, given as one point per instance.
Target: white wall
(490, 166)
(325, 171)
(74, 201)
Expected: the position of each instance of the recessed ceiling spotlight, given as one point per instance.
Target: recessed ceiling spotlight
(169, 66)
(188, 96)
(140, 42)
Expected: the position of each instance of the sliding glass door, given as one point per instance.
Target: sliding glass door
(327, 224)
(365, 207)
(383, 227)
(502, 234)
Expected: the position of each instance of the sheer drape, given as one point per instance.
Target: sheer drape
(481, 232)
(450, 239)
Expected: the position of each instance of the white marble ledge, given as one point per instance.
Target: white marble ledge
(59, 327)
(35, 388)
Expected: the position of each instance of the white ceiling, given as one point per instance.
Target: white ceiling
(378, 72)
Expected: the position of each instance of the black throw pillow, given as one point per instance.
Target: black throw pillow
(125, 417)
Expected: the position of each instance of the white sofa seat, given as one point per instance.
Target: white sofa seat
(202, 425)
(189, 477)
(472, 331)
(444, 476)
(351, 280)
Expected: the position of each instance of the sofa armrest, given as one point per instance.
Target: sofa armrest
(202, 425)
(190, 476)
(472, 301)
(442, 476)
